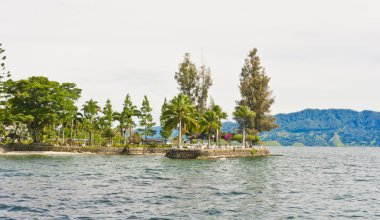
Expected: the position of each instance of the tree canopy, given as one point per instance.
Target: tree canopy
(179, 113)
(194, 82)
(37, 101)
(146, 118)
(256, 94)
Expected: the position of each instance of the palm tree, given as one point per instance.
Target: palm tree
(91, 110)
(243, 115)
(76, 121)
(179, 113)
(120, 117)
(219, 115)
(209, 122)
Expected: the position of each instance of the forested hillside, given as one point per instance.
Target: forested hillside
(331, 127)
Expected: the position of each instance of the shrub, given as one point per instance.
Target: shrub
(253, 151)
(250, 138)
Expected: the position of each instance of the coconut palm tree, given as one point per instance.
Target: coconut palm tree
(76, 121)
(243, 114)
(209, 123)
(120, 117)
(91, 110)
(220, 114)
(179, 113)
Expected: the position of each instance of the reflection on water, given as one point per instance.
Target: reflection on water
(303, 183)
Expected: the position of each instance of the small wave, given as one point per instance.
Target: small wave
(26, 209)
(213, 211)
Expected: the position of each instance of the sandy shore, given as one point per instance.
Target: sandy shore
(40, 153)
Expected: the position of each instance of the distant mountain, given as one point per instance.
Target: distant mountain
(330, 127)
(315, 127)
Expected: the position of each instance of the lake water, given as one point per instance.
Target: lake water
(313, 183)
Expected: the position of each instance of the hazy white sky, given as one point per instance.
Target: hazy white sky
(319, 54)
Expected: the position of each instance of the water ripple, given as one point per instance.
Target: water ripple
(304, 183)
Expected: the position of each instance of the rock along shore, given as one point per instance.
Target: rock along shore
(215, 153)
(169, 152)
(33, 149)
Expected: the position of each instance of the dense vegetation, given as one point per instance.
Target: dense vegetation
(331, 127)
(40, 110)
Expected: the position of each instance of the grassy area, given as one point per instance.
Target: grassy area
(271, 143)
(298, 144)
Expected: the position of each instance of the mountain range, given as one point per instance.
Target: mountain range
(326, 127)
(320, 127)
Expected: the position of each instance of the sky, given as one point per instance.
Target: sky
(318, 53)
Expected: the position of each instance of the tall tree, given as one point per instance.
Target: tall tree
(187, 78)
(204, 83)
(120, 117)
(146, 119)
(130, 111)
(107, 120)
(256, 94)
(220, 114)
(165, 134)
(91, 111)
(38, 102)
(179, 113)
(209, 123)
(243, 115)
(77, 123)
(194, 82)
(4, 75)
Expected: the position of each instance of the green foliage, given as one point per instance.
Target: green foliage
(187, 78)
(253, 151)
(193, 82)
(129, 111)
(179, 112)
(91, 111)
(271, 143)
(220, 114)
(209, 123)
(164, 133)
(4, 75)
(298, 144)
(256, 94)
(146, 119)
(249, 138)
(243, 115)
(203, 85)
(106, 121)
(37, 102)
(335, 140)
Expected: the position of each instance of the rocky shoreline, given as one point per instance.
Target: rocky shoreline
(169, 152)
(216, 153)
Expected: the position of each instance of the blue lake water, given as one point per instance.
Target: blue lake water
(313, 183)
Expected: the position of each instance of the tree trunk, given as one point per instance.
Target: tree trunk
(71, 130)
(63, 134)
(91, 137)
(125, 136)
(130, 134)
(217, 137)
(209, 140)
(85, 137)
(145, 132)
(180, 133)
(35, 135)
(243, 135)
(121, 136)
